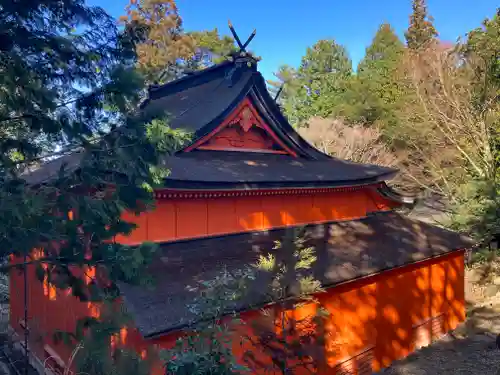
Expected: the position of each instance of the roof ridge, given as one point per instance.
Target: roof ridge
(190, 76)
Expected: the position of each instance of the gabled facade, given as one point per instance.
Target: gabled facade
(243, 131)
(392, 283)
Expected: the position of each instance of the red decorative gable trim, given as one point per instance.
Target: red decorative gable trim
(242, 130)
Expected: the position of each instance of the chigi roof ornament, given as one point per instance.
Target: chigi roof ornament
(242, 55)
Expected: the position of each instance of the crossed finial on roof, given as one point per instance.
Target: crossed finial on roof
(278, 93)
(242, 46)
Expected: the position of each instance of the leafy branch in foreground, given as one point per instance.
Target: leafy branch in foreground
(69, 85)
(207, 346)
(282, 339)
(98, 344)
(71, 53)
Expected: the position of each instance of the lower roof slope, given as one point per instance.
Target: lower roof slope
(206, 169)
(241, 170)
(345, 251)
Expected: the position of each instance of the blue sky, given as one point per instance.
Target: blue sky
(286, 28)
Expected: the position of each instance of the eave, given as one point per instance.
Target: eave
(394, 196)
(228, 191)
(270, 187)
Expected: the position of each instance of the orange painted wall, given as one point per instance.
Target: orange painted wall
(392, 303)
(182, 218)
(378, 318)
(383, 313)
(49, 310)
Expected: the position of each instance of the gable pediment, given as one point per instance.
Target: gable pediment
(243, 130)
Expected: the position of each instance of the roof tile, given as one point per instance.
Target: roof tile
(345, 250)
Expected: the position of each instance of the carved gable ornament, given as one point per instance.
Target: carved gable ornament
(243, 130)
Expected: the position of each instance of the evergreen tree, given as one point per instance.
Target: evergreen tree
(421, 30)
(378, 89)
(479, 212)
(319, 83)
(209, 349)
(68, 87)
(211, 48)
(163, 41)
(382, 56)
(287, 85)
(483, 46)
(281, 341)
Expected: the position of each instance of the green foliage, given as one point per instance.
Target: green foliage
(484, 255)
(483, 43)
(209, 42)
(290, 345)
(94, 353)
(477, 210)
(165, 140)
(378, 89)
(319, 83)
(290, 267)
(43, 62)
(436, 106)
(68, 90)
(74, 90)
(421, 30)
(207, 348)
(482, 48)
(288, 86)
(383, 55)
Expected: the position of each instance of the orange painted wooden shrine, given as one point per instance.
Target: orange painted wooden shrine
(392, 284)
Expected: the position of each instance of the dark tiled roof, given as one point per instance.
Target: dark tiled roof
(242, 170)
(195, 101)
(199, 103)
(345, 251)
(205, 169)
(50, 169)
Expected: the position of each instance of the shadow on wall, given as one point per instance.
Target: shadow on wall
(373, 320)
(194, 216)
(382, 318)
(393, 284)
(392, 315)
(469, 349)
(385, 318)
